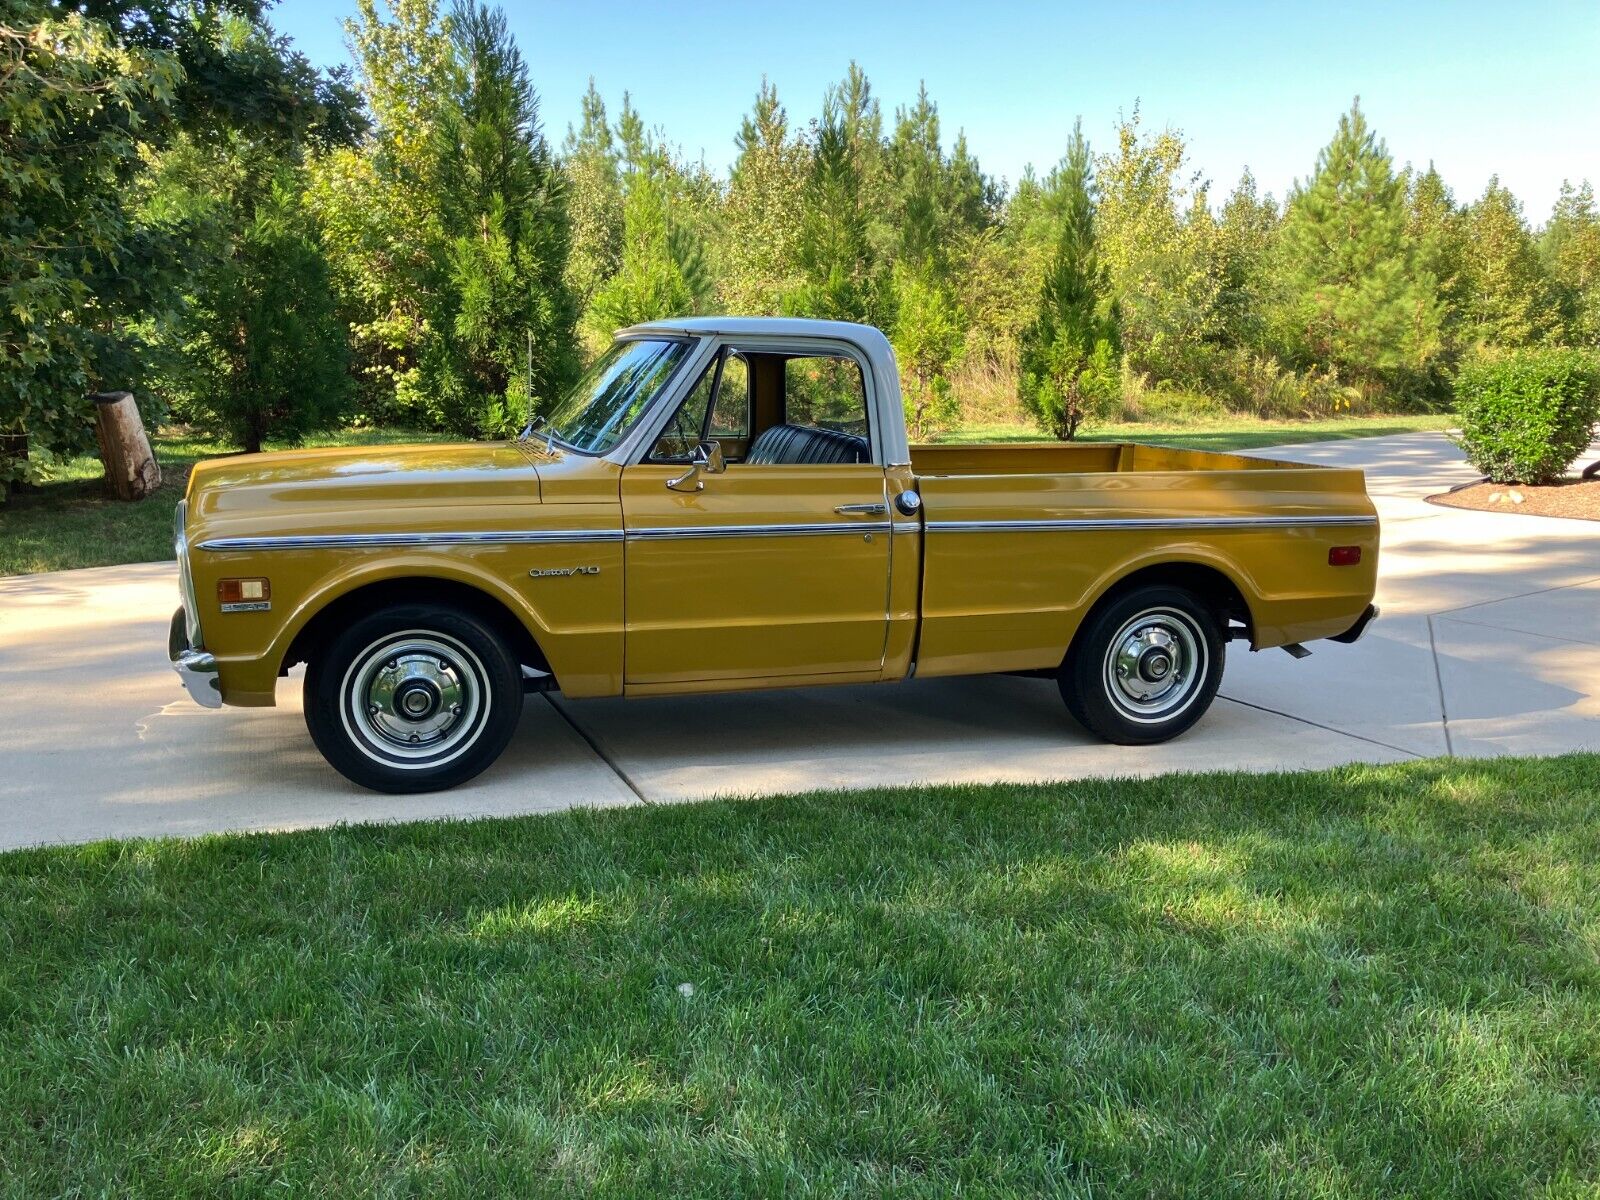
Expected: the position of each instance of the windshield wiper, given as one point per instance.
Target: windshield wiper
(532, 427)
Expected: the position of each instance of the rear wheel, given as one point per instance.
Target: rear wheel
(414, 698)
(1145, 666)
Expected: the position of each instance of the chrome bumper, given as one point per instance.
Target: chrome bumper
(1353, 634)
(197, 668)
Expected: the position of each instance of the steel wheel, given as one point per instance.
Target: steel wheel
(1154, 665)
(415, 699)
(1144, 665)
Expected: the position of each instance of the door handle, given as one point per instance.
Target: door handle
(865, 510)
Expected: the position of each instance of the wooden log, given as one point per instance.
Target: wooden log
(132, 472)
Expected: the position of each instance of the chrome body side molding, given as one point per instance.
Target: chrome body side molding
(1096, 524)
(357, 541)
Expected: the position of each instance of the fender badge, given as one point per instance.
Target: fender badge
(536, 573)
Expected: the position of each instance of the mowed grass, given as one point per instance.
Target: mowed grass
(1232, 432)
(1373, 981)
(70, 522)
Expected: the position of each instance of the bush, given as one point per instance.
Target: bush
(1526, 416)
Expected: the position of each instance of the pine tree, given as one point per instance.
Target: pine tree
(502, 211)
(1508, 303)
(1570, 248)
(268, 352)
(840, 278)
(761, 261)
(1438, 227)
(594, 200)
(664, 271)
(1069, 367)
(1245, 238)
(1355, 297)
(927, 333)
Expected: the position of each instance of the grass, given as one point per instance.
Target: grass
(1379, 980)
(69, 522)
(1232, 432)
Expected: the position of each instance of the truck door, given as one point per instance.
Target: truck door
(778, 564)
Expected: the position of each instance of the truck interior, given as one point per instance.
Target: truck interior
(767, 408)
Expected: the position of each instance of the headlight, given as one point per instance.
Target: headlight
(180, 549)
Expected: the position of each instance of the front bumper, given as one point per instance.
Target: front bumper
(197, 668)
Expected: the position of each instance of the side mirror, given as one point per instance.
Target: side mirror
(706, 457)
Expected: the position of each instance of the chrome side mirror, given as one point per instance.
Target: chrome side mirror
(706, 457)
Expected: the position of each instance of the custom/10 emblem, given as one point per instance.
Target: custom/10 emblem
(536, 573)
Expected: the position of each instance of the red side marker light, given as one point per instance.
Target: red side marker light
(1344, 556)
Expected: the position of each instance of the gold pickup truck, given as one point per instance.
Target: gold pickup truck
(726, 503)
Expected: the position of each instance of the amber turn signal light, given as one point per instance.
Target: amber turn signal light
(1344, 556)
(243, 591)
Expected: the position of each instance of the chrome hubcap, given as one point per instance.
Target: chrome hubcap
(1155, 665)
(415, 699)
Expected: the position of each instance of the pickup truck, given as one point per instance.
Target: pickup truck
(725, 503)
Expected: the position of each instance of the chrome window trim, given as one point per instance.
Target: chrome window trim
(1095, 524)
(686, 532)
(322, 541)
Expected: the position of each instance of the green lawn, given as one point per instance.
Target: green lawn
(69, 522)
(1232, 432)
(1375, 981)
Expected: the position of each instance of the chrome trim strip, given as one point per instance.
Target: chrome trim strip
(907, 526)
(1094, 524)
(356, 541)
(676, 532)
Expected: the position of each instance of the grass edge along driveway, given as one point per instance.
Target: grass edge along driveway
(1374, 980)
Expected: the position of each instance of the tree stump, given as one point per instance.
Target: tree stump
(132, 472)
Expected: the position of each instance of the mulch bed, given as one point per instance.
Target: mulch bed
(1568, 498)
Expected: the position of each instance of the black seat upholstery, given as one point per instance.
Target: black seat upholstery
(803, 444)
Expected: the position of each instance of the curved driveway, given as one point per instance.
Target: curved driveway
(1489, 644)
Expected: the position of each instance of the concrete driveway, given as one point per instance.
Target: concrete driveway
(1489, 644)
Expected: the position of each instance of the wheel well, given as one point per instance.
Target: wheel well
(335, 615)
(1210, 584)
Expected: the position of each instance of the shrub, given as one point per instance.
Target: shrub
(1527, 415)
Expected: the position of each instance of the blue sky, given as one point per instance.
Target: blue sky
(1479, 88)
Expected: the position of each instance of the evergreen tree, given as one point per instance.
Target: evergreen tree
(1570, 248)
(1438, 227)
(664, 272)
(838, 265)
(1355, 297)
(1069, 367)
(1508, 304)
(502, 212)
(927, 334)
(1244, 246)
(269, 354)
(761, 263)
(594, 200)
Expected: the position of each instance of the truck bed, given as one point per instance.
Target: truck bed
(1022, 540)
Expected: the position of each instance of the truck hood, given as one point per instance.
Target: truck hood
(299, 485)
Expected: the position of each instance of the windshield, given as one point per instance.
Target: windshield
(614, 393)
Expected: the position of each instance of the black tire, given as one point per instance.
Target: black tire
(1162, 641)
(414, 698)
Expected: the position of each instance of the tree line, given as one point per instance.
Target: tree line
(190, 210)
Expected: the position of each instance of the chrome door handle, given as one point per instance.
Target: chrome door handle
(865, 510)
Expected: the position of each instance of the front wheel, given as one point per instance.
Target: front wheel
(1144, 667)
(414, 698)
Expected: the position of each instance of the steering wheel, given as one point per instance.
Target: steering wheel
(689, 439)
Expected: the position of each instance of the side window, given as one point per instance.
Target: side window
(682, 434)
(825, 391)
(731, 416)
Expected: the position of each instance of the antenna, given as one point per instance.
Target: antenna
(530, 374)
